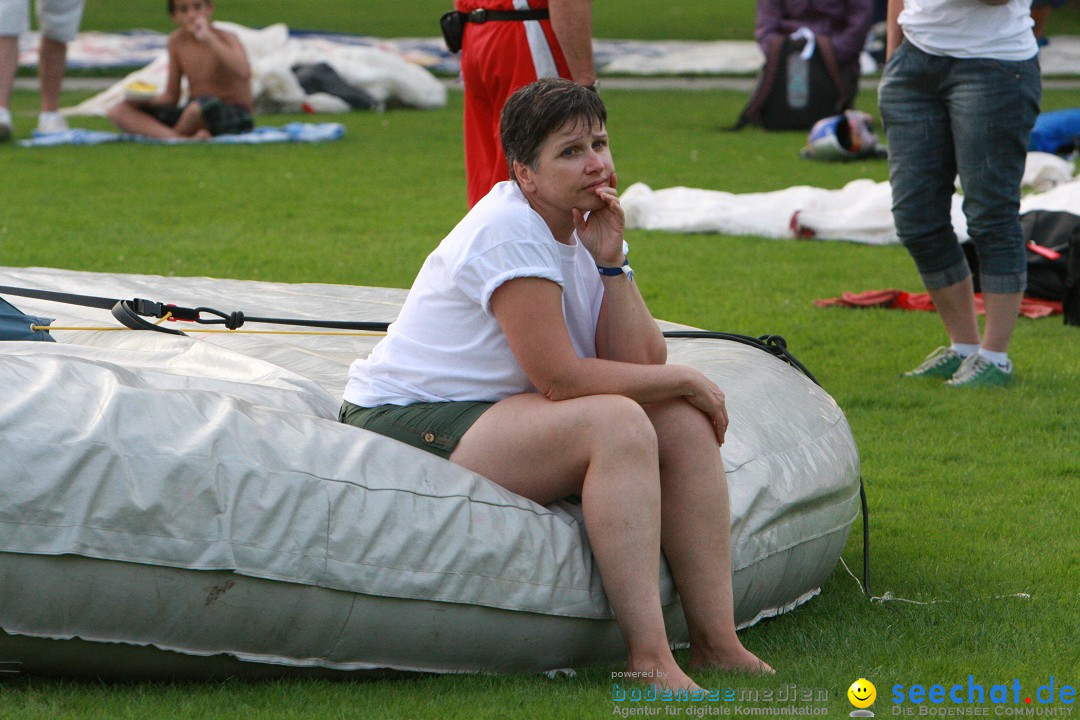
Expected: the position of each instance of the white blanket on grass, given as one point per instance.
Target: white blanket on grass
(631, 57)
(861, 211)
(386, 76)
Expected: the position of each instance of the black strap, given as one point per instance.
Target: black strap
(130, 313)
(69, 298)
(127, 312)
(480, 15)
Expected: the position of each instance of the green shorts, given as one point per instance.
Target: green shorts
(435, 427)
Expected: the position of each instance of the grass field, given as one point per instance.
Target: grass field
(673, 19)
(383, 18)
(973, 495)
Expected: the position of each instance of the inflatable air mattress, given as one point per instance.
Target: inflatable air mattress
(190, 507)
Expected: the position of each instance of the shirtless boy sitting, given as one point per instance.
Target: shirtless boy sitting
(219, 82)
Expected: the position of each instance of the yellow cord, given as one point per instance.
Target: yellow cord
(351, 333)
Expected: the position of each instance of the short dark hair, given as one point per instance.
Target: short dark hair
(172, 5)
(537, 110)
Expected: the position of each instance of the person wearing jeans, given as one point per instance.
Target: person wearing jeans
(958, 97)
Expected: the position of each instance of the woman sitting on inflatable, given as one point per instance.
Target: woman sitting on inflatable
(524, 352)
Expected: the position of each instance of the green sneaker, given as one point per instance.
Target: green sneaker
(977, 371)
(941, 363)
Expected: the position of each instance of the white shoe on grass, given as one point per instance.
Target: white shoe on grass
(6, 126)
(51, 122)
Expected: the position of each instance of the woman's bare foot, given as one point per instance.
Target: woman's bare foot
(665, 675)
(737, 659)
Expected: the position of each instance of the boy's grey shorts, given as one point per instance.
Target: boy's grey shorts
(57, 19)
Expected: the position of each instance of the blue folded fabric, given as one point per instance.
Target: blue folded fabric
(292, 132)
(1057, 131)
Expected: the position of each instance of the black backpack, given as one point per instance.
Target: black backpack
(1058, 232)
(793, 93)
(1054, 271)
(1071, 302)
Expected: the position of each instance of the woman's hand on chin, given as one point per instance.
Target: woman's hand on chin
(602, 233)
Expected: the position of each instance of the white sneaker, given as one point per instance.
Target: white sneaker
(51, 122)
(6, 126)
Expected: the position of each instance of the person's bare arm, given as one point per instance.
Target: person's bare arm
(625, 330)
(226, 46)
(572, 22)
(171, 94)
(529, 311)
(894, 35)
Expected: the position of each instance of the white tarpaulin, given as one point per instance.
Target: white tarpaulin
(861, 211)
(384, 75)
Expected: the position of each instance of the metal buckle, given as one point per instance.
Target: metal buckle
(478, 15)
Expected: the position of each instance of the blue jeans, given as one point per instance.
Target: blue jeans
(946, 116)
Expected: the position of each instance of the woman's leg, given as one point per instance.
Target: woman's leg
(993, 105)
(604, 448)
(955, 304)
(696, 534)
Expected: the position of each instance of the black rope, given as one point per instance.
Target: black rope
(865, 539)
(234, 320)
(775, 345)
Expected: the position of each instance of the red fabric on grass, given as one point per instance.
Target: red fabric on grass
(900, 300)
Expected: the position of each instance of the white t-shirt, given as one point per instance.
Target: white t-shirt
(446, 344)
(970, 28)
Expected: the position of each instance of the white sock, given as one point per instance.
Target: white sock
(1001, 359)
(965, 349)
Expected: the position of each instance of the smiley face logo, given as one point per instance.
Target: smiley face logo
(862, 693)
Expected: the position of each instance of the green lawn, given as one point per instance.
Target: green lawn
(672, 19)
(695, 19)
(973, 495)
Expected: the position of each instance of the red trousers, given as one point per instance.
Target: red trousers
(497, 58)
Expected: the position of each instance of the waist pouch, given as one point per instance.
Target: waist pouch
(453, 22)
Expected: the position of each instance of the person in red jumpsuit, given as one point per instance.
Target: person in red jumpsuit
(501, 56)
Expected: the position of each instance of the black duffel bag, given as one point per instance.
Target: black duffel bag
(1057, 235)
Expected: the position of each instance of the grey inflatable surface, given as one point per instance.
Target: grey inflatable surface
(189, 506)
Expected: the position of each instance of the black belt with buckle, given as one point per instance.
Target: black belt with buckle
(453, 22)
(480, 15)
